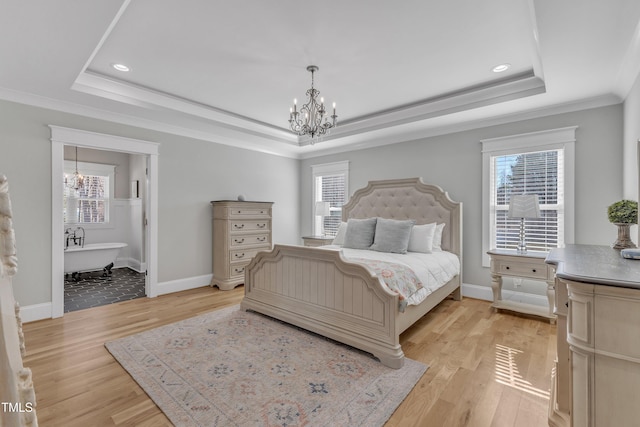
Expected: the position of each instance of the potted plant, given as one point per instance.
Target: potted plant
(623, 214)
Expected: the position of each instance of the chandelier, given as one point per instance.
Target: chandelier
(311, 119)
(76, 182)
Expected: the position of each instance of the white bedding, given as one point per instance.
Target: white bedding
(434, 270)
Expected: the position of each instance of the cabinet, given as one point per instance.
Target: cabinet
(603, 333)
(597, 375)
(240, 230)
(527, 266)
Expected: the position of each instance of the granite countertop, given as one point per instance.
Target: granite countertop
(600, 265)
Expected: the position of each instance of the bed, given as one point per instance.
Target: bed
(324, 292)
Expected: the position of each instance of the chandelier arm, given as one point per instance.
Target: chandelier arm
(311, 119)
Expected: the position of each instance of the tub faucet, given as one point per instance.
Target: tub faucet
(76, 236)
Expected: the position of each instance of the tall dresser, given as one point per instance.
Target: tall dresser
(240, 230)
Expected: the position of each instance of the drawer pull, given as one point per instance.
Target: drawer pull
(534, 270)
(507, 267)
(238, 240)
(238, 226)
(261, 212)
(261, 225)
(238, 212)
(240, 270)
(261, 239)
(239, 255)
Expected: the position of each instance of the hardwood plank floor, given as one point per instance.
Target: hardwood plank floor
(486, 368)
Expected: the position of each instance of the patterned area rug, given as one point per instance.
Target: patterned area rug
(235, 368)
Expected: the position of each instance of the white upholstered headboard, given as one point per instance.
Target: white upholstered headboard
(409, 199)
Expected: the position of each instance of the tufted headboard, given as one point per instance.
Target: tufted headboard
(409, 199)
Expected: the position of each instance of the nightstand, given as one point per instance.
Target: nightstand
(317, 240)
(530, 265)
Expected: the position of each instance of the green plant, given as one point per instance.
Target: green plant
(623, 212)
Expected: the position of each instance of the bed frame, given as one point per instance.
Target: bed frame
(319, 290)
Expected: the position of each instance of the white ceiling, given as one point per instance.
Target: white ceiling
(228, 71)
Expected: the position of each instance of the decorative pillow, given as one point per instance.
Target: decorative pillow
(360, 232)
(342, 230)
(421, 239)
(392, 235)
(437, 237)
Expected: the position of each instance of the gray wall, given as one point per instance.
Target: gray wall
(194, 172)
(121, 187)
(191, 174)
(454, 162)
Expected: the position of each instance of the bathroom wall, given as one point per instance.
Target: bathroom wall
(126, 214)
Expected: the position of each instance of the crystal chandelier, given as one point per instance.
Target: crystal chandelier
(310, 119)
(76, 182)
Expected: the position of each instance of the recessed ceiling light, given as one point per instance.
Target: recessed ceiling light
(120, 67)
(500, 68)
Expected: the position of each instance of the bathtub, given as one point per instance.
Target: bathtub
(93, 256)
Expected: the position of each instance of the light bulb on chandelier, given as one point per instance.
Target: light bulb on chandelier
(311, 119)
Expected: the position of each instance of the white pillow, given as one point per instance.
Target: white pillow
(342, 231)
(437, 238)
(421, 239)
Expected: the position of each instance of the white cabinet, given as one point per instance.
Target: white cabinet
(604, 340)
(596, 382)
(528, 266)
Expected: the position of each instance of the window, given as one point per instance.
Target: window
(330, 184)
(91, 204)
(537, 163)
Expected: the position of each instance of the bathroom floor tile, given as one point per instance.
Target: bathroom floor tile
(93, 290)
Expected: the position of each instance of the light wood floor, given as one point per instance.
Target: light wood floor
(486, 368)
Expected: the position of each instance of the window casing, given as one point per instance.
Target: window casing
(330, 184)
(539, 163)
(91, 205)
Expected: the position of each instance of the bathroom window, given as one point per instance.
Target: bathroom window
(91, 204)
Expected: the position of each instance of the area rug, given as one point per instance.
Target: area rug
(235, 368)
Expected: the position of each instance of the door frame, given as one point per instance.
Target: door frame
(61, 136)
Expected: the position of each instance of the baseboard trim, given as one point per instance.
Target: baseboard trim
(184, 284)
(31, 313)
(485, 293)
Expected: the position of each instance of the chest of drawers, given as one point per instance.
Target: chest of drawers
(240, 230)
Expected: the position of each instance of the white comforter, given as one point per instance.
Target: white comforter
(434, 270)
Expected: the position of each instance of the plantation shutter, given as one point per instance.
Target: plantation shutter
(91, 203)
(541, 173)
(330, 185)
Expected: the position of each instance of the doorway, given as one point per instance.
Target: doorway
(60, 137)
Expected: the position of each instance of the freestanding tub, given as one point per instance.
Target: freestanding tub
(93, 256)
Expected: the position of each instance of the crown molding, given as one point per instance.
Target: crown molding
(367, 139)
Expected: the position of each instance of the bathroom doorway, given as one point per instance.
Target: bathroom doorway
(104, 227)
(135, 202)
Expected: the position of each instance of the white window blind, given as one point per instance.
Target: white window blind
(90, 204)
(330, 184)
(540, 173)
(539, 163)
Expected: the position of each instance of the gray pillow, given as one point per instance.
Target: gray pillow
(360, 233)
(392, 235)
